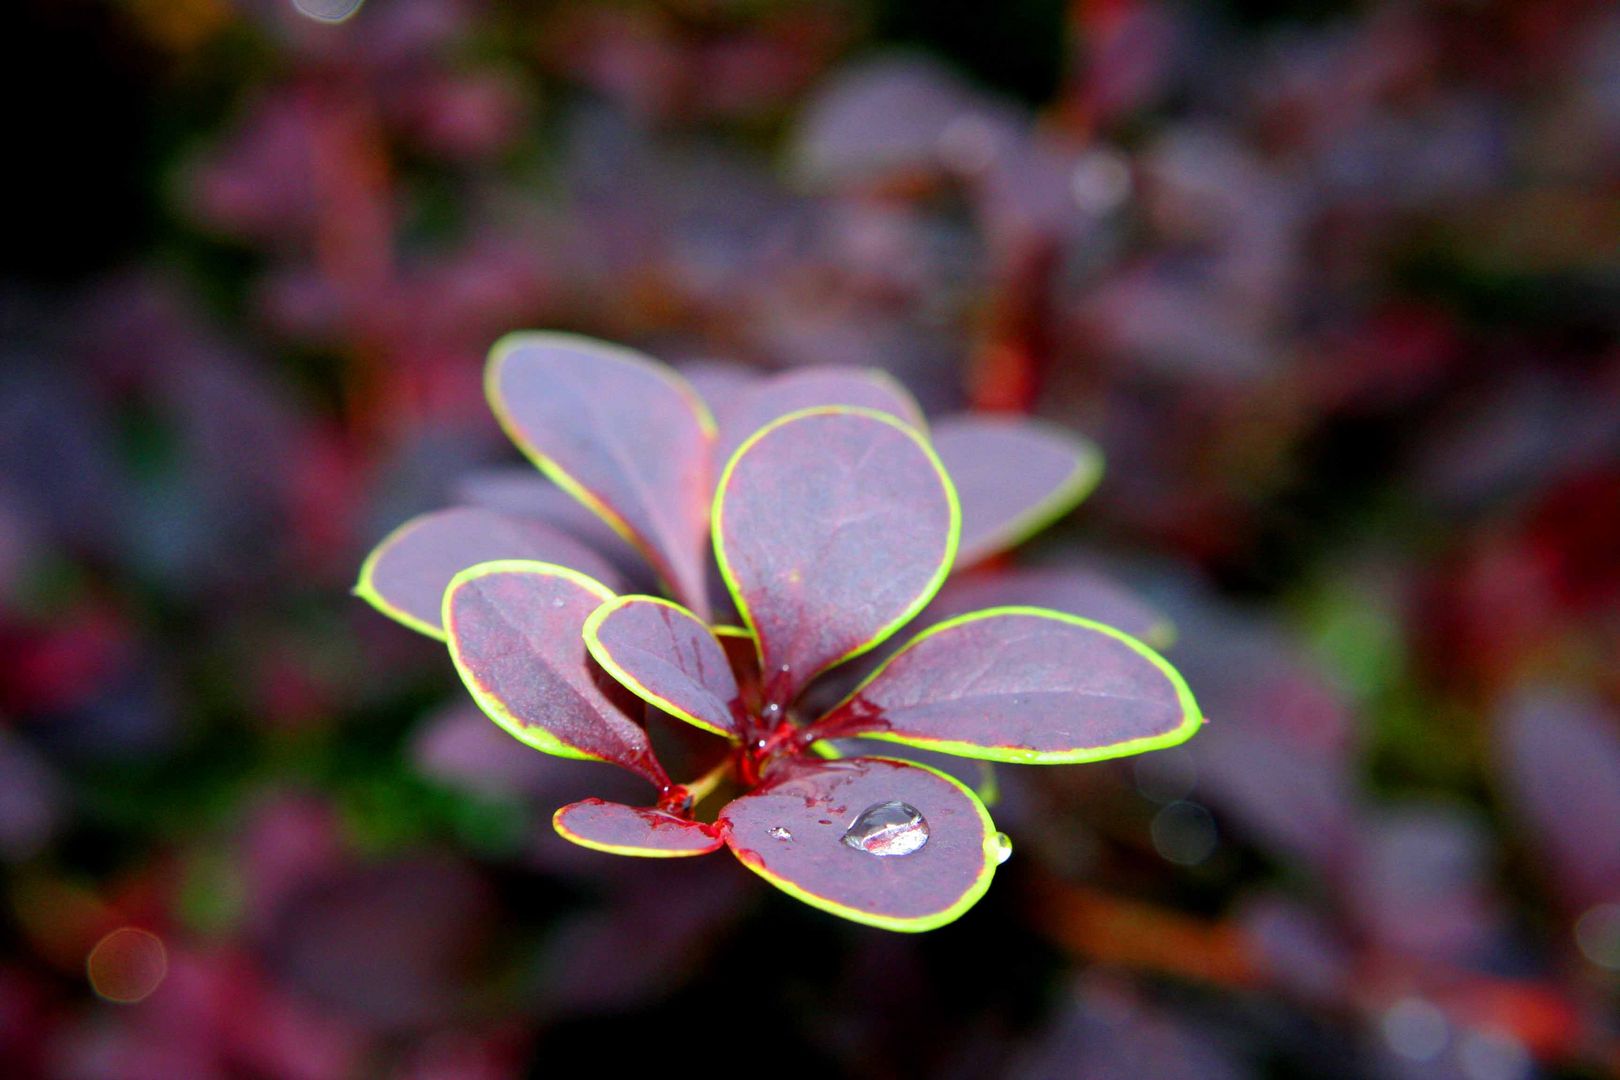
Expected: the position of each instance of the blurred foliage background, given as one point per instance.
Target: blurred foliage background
(1335, 285)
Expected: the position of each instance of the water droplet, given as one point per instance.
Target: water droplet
(1003, 844)
(779, 833)
(557, 602)
(888, 828)
(771, 713)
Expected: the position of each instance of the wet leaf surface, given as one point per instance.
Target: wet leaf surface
(792, 832)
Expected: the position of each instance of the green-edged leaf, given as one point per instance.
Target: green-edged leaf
(515, 635)
(791, 831)
(752, 408)
(621, 433)
(833, 526)
(405, 576)
(1014, 477)
(669, 658)
(633, 830)
(1025, 685)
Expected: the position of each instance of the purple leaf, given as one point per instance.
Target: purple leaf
(720, 382)
(752, 408)
(1025, 685)
(1061, 588)
(1421, 886)
(405, 576)
(1014, 477)
(833, 527)
(892, 117)
(1560, 757)
(633, 830)
(619, 432)
(801, 831)
(668, 657)
(515, 635)
(521, 492)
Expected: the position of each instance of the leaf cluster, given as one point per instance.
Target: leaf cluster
(796, 523)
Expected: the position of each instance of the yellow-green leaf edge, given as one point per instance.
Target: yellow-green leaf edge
(365, 587)
(537, 738)
(554, 472)
(604, 656)
(948, 559)
(1070, 493)
(623, 849)
(921, 923)
(1192, 719)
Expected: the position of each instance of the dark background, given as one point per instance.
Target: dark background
(1335, 286)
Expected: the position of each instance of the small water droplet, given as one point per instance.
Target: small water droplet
(771, 712)
(557, 602)
(888, 828)
(779, 833)
(1003, 844)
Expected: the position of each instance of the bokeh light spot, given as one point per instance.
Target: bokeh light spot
(1166, 776)
(1101, 181)
(332, 11)
(1415, 1029)
(1493, 1055)
(1597, 933)
(127, 965)
(1184, 833)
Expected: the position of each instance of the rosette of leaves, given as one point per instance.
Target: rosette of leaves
(833, 518)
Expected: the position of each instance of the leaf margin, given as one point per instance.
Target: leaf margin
(554, 472)
(604, 656)
(367, 591)
(621, 849)
(947, 561)
(535, 738)
(1192, 720)
(920, 924)
(1061, 501)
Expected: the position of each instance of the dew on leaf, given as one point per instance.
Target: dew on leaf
(888, 828)
(779, 833)
(1003, 844)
